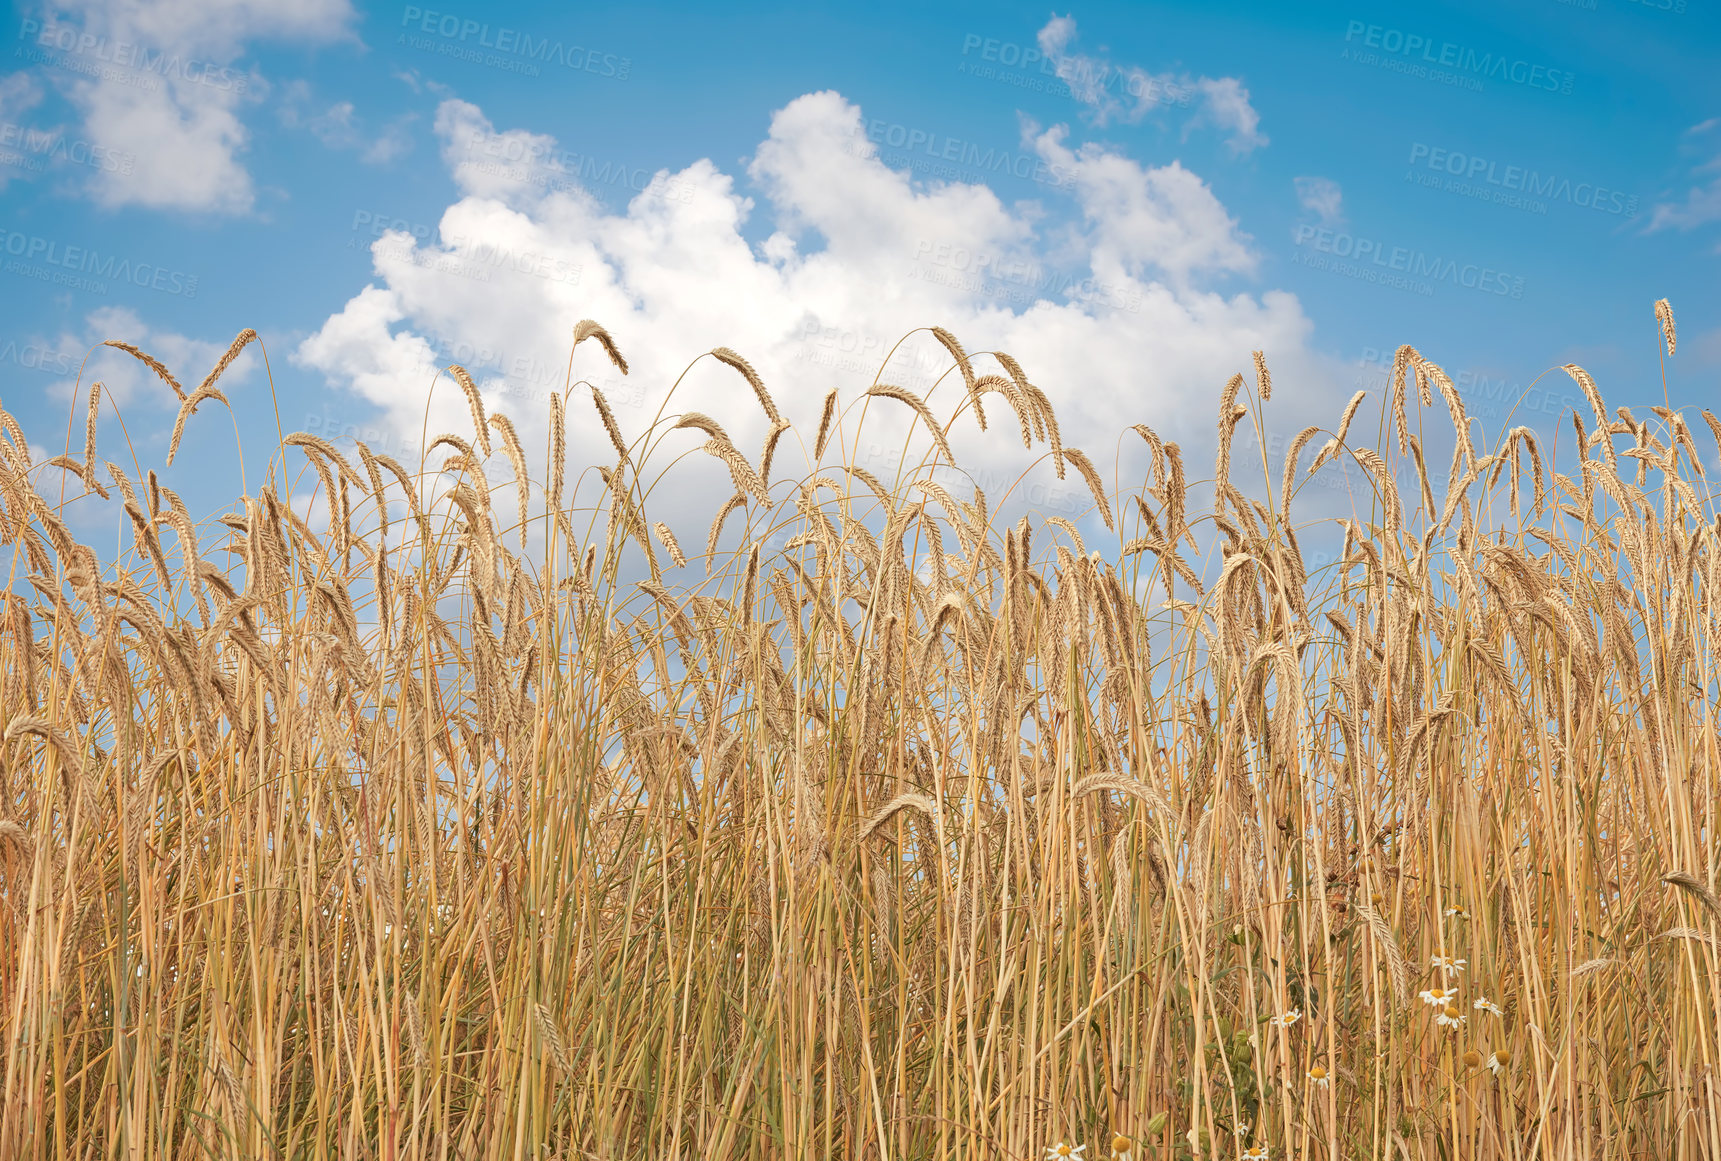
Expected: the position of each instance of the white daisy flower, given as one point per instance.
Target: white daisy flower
(1255, 1153)
(1318, 1076)
(1450, 1016)
(1498, 1062)
(1449, 966)
(1484, 1004)
(1439, 997)
(1458, 911)
(1063, 1150)
(1285, 1020)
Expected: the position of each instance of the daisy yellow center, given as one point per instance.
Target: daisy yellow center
(1318, 1072)
(1451, 1012)
(1503, 1056)
(1120, 1144)
(1472, 1058)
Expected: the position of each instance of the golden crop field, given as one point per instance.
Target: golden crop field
(900, 836)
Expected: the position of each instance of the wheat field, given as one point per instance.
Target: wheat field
(458, 836)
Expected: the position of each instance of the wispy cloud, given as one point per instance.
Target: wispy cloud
(1702, 202)
(1129, 92)
(1322, 197)
(340, 127)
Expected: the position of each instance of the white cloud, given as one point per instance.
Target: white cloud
(1322, 197)
(1129, 92)
(1144, 220)
(1102, 301)
(159, 80)
(1227, 106)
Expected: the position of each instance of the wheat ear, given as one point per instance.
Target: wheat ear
(151, 362)
(825, 423)
(903, 395)
(474, 403)
(587, 329)
(240, 342)
(729, 357)
(609, 423)
(1664, 315)
(967, 369)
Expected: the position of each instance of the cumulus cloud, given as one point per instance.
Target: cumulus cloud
(1322, 197)
(1105, 299)
(161, 80)
(1129, 92)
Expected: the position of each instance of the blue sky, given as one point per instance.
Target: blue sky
(1130, 198)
